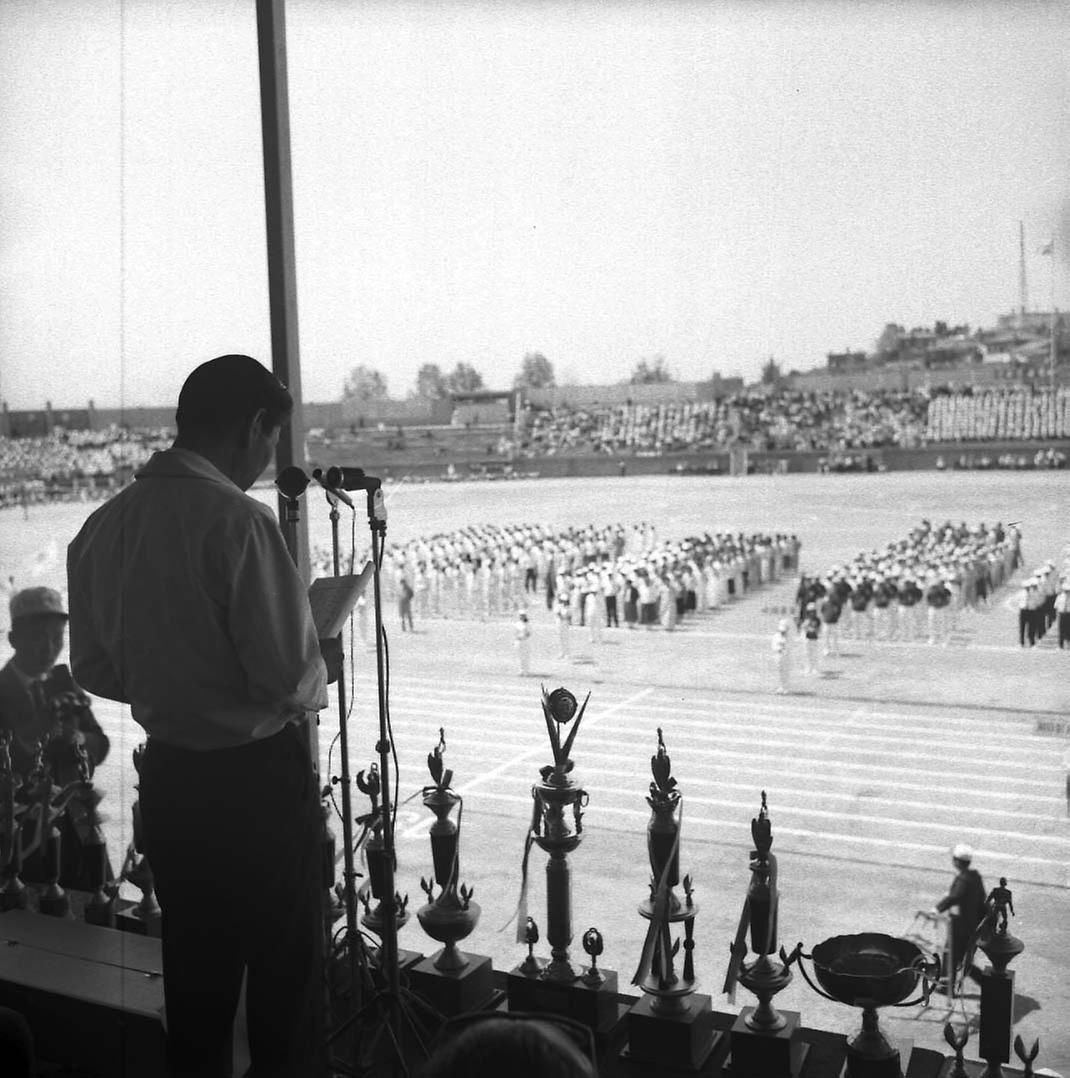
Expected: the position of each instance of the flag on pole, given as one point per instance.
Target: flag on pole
(1048, 248)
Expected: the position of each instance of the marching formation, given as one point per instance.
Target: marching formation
(613, 576)
(1043, 600)
(913, 589)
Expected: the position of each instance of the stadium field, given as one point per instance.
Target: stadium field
(873, 770)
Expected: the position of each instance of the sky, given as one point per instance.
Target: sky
(711, 183)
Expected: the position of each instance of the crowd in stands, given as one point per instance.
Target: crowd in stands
(785, 420)
(833, 422)
(999, 413)
(73, 464)
(845, 426)
(915, 588)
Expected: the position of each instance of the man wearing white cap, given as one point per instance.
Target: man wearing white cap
(965, 901)
(39, 702)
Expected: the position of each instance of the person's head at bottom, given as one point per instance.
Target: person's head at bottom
(511, 1046)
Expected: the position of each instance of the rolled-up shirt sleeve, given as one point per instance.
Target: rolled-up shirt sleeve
(270, 623)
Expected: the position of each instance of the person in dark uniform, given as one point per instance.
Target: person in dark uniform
(40, 702)
(965, 902)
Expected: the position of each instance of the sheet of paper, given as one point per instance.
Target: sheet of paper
(332, 599)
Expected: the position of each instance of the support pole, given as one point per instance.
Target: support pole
(281, 253)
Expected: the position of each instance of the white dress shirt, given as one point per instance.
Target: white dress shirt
(184, 603)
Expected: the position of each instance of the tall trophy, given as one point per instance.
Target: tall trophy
(47, 804)
(88, 827)
(556, 827)
(451, 980)
(997, 982)
(375, 852)
(671, 1027)
(13, 893)
(143, 916)
(764, 1041)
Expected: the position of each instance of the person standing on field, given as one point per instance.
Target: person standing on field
(782, 655)
(522, 639)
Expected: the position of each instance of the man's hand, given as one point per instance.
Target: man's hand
(331, 650)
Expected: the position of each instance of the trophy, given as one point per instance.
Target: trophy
(671, 1025)
(557, 829)
(375, 852)
(13, 893)
(86, 822)
(872, 970)
(142, 917)
(764, 1040)
(997, 982)
(452, 981)
(47, 803)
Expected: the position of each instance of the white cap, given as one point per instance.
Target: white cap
(962, 852)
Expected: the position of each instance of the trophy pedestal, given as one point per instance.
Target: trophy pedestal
(594, 1006)
(674, 1043)
(895, 1065)
(129, 919)
(452, 992)
(997, 1016)
(55, 903)
(407, 960)
(766, 1054)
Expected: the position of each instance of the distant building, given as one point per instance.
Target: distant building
(846, 362)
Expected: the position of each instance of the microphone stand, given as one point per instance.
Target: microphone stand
(388, 928)
(389, 953)
(354, 941)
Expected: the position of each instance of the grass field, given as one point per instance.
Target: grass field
(873, 769)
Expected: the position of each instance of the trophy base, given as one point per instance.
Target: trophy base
(453, 992)
(55, 905)
(102, 915)
(594, 1006)
(995, 1036)
(128, 919)
(674, 1044)
(894, 1066)
(774, 1054)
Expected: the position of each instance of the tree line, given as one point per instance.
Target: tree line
(366, 384)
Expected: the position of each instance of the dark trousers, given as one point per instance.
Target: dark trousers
(233, 840)
(1064, 630)
(611, 612)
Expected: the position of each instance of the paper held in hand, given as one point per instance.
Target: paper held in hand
(332, 599)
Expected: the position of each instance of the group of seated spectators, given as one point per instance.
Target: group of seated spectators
(833, 422)
(785, 420)
(73, 463)
(999, 413)
(845, 426)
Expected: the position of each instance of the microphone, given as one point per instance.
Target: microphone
(336, 492)
(291, 482)
(351, 479)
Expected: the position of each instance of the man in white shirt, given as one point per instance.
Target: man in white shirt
(184, 604)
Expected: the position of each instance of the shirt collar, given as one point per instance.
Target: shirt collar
(182, 464)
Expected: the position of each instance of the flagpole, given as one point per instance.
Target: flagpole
(1051, 346)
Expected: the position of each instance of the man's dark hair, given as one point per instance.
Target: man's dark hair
(225, 393)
